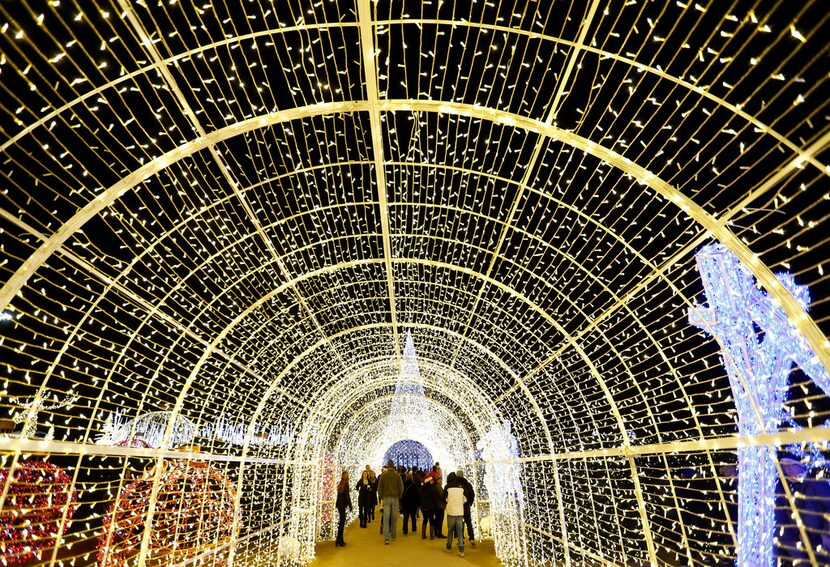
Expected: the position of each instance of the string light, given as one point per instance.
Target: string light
(219, 221)
(37, 496)
(193, 520)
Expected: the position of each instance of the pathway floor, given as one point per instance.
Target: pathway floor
(365, 547)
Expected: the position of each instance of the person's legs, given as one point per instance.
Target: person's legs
(405, 513)
(414, 523)
(450, 532)
(361, 513)
(439, 522)
(387, 517)
(458, 526)
(341, 524)
(426, 525)
(394, 517)
(468, 520)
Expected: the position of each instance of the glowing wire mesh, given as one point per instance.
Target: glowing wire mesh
(232, 213)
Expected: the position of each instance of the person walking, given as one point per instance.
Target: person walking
(344, 500)
(455, 513)
(364, 497)
(441, 499)
(380, 524)
(428, 505)
(470, 496)
(373, 503)
(390, 490)
(409, 503)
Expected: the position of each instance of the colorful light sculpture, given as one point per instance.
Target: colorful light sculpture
(193, 519)
(150, 428)
(31, 518)
(759, 345)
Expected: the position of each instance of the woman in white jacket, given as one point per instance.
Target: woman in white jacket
(455, 498)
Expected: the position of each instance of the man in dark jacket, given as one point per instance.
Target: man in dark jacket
(470, 495)
(428, 506)
(390, 490)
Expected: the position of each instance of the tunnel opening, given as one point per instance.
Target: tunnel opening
(409, 454)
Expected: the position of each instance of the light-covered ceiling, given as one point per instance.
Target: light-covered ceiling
(236, 211)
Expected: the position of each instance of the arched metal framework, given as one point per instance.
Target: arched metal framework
(234, 214)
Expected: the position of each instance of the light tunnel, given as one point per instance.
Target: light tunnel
(575, 249)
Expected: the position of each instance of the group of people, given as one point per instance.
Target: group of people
(407, 492)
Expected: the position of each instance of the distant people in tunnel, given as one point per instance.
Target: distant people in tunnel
(470, 496)
(455, 499)
(390, 490)
(344, 500)
(429, 504)
(409, 503)
(365, 487)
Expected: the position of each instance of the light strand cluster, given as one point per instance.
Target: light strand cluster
(229, 214)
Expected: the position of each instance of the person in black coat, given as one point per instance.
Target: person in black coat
(364, 488)
(409, 503)
(470, 495)
(373, 478)
(441, 499)
(344, 500)
(426, 498)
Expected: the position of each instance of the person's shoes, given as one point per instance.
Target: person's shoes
(386, 542)
(447, 550)
(423, 536)
(461, 554)
(431, 536)
(473, 542)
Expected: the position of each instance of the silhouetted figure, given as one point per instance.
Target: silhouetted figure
(373, 478)
(470, 496)
(441, 499)
(409, 503)
(426, 498)
(344, 500)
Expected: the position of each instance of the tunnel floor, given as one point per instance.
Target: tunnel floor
(366, 547)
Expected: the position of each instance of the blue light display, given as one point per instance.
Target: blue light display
(759, 346)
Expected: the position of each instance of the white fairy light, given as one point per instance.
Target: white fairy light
(230, 227)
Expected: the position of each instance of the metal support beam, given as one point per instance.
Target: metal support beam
(370, 82)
